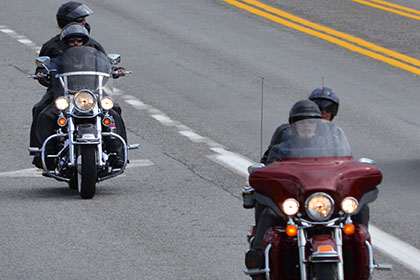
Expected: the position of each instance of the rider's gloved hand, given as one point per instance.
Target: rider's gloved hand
(118, 72)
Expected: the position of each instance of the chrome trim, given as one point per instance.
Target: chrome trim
(338, 236)
(330, 223)
(119, 170)
(367, 160)
(267, 261)
(266, 270)
(50, 173)
(371, 264)
(80, 73)
(302, 258)
(254, 167)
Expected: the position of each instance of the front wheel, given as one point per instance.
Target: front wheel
(87, 175)
(325, 271)
(73, 184)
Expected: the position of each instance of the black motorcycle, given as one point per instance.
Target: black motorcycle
(81, 151)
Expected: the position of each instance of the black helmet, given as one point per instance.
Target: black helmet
(71, 12)
(304, 109)
(326, 99)
(73, 30)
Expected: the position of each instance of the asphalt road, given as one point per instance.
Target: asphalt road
(176, 213)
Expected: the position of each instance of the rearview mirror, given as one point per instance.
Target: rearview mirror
(367, 160)
(255, 166)
(114, 58)
(43, 61)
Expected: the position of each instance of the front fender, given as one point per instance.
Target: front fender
(324, 249)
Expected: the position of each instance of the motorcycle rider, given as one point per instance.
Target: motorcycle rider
(67, 13)
(301, 110)
(74, 35)
(327, 101)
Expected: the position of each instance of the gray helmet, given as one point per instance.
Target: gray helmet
(73, 30)
(304, 109)
(326, 99)
(72, 12)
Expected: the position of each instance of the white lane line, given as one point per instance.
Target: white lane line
(29, 172)
(8, 31)
(20, 38)
(194, 137)
(396, 249)
(135, 103)
(231, 160)
(139, 163)
(36, 172)
(163, 119)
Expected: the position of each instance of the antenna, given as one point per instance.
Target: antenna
(322, 81)
(262, 115)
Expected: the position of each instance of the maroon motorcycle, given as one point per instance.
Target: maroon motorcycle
(316, 189)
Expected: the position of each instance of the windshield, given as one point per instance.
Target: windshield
(311, 138)
(93, 64)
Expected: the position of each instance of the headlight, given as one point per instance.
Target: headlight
(84, 101)
(290, 207)
(349, 205)
(61, 103)
(107, 103)
(319, 206)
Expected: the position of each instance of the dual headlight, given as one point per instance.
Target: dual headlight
(84, 101)
(319, 206)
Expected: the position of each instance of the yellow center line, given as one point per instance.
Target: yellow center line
(327, 37)
(335, 33)
(402, 8)
(387, 9)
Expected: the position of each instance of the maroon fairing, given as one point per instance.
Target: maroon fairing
(298, 178)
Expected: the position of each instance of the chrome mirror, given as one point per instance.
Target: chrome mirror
(43, 61)
(255, 166)
(367, 160)
(114, 58)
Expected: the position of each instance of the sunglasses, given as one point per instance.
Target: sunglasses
(74, 40)
(80, 20)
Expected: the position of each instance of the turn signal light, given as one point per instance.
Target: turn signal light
(348, 229)
(291, 230)
(106, 121)
(62, 122)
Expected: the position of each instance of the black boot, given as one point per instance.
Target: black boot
(255, 259)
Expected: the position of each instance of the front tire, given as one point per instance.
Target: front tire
(73, 184)
(325, 271)
(88, 171)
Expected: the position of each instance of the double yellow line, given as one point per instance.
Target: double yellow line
(390, 7)
(333, 36)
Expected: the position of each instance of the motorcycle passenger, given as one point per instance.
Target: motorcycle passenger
(74, 35)
(302, 110)
(327, 101)
(67, 13)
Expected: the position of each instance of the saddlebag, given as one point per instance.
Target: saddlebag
(283, 254)
(356, 254)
